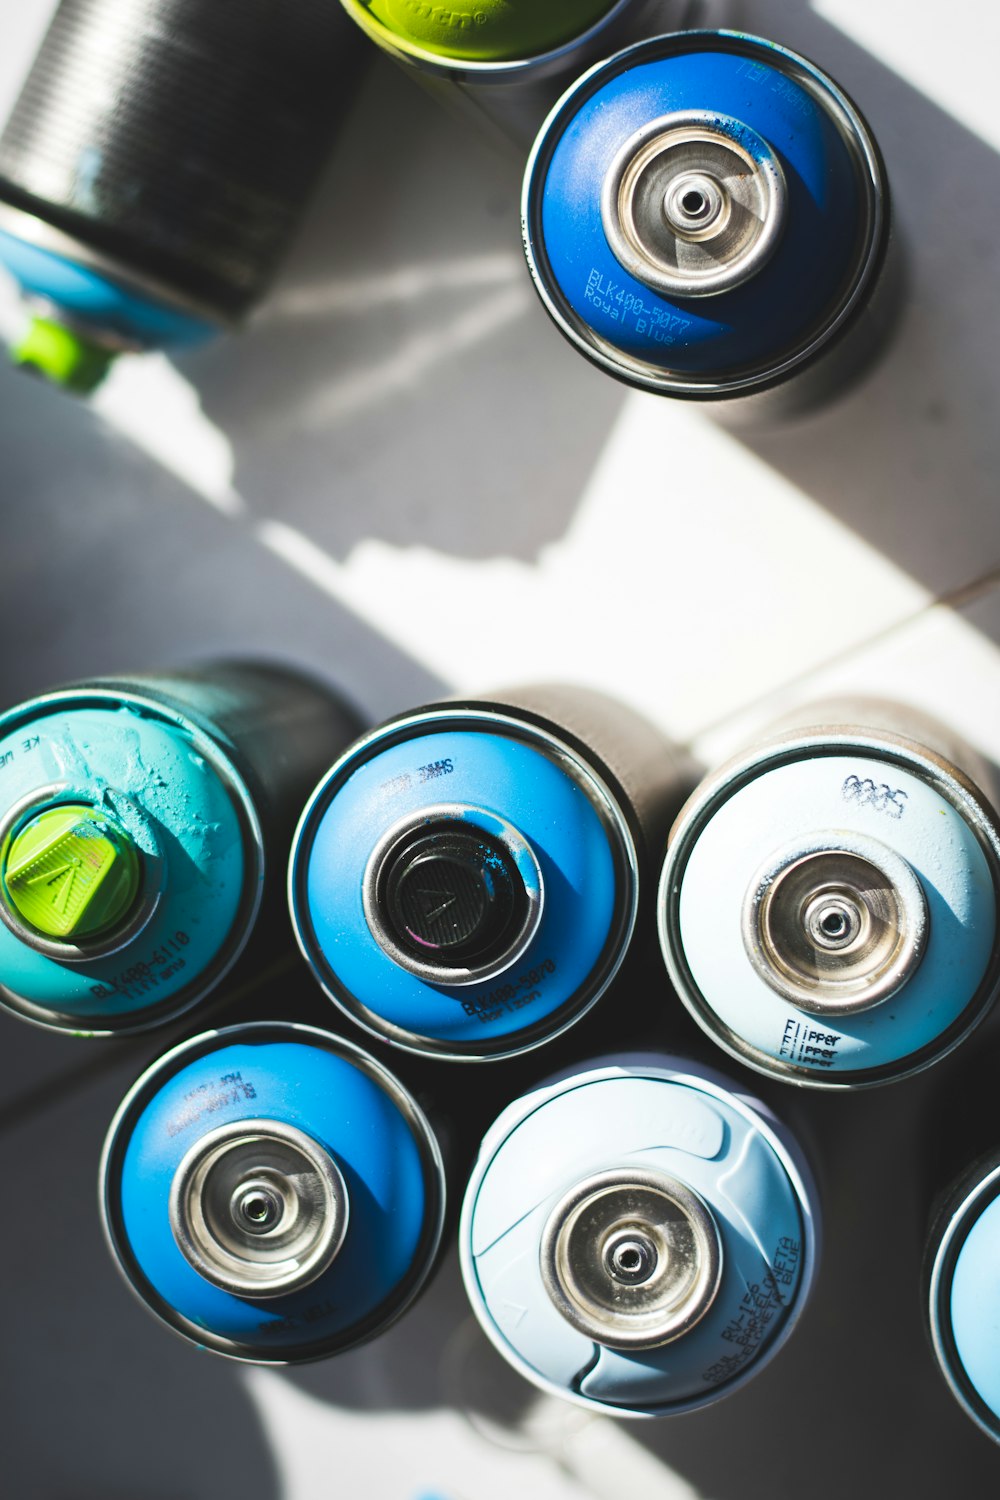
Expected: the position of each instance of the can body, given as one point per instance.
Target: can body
(637, 1237)
(192, 782)
(506, 65)
(465, 882)
(159, 156)
(706, 216)
(828, 905)
(272, 1193)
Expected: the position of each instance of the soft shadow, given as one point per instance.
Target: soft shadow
(99, 1400)
(406, 307)
(111, 564)
(909, 458)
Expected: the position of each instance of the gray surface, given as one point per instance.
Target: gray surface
(425, 402)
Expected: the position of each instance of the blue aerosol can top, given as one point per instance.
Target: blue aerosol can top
(703, 211)
(463, 883)
(272, 1193)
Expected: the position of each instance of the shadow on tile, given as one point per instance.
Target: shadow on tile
(402, 382)
(909, 458)
(99, 1401)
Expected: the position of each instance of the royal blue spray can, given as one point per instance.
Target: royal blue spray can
(706, 215)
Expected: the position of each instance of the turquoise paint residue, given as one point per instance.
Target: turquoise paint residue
(154, 781)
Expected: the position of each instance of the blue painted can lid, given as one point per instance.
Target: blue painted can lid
(703, 212)
(258, 1083)
(464, 883)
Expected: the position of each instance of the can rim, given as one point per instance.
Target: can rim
(458, 70)
(971, 1204)
(859, 140)
(212, 747)
(785, 748)
(671, 1069)
(116, 1144)
(610, 805)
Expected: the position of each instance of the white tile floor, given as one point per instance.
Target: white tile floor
(400, 476)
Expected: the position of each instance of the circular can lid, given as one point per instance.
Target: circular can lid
(487, 30)
(71, 873)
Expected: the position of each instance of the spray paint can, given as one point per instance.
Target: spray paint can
(828, 905)
(959, 1153)
(962, 1304)
(155, 165)
(506, 62)
(706, 216)
(639, 1237)
(272, 1193)
(142, 821)
(465, 881)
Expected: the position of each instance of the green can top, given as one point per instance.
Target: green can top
(71, 873)
(483, 30)
(62, 355)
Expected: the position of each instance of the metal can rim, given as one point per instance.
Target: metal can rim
(163, 1068)
(971, 1203)
(769, 754)
(460, 70)
(41, 235)
(639, 373)
(610, 805)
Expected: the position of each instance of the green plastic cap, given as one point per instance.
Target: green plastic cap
(63, 356)
(70, 873)
(485, 30)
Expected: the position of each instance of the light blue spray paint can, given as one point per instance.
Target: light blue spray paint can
(639, 1237)
(828, 905)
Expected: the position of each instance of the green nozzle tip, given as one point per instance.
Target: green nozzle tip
(63, 356)
(486, 30)
(70, 873)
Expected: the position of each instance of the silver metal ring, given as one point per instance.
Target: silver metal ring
(258, 1208)
(631, 1258)
(835, 922)
(688, 209)
(44, 236)
(476, 820)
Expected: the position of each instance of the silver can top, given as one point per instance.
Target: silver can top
(694, 204)
(631, 1258)
(836, 923)
(259, 1208)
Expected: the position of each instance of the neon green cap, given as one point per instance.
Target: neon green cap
(486, 30)
(70, 873)
(63, 356)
